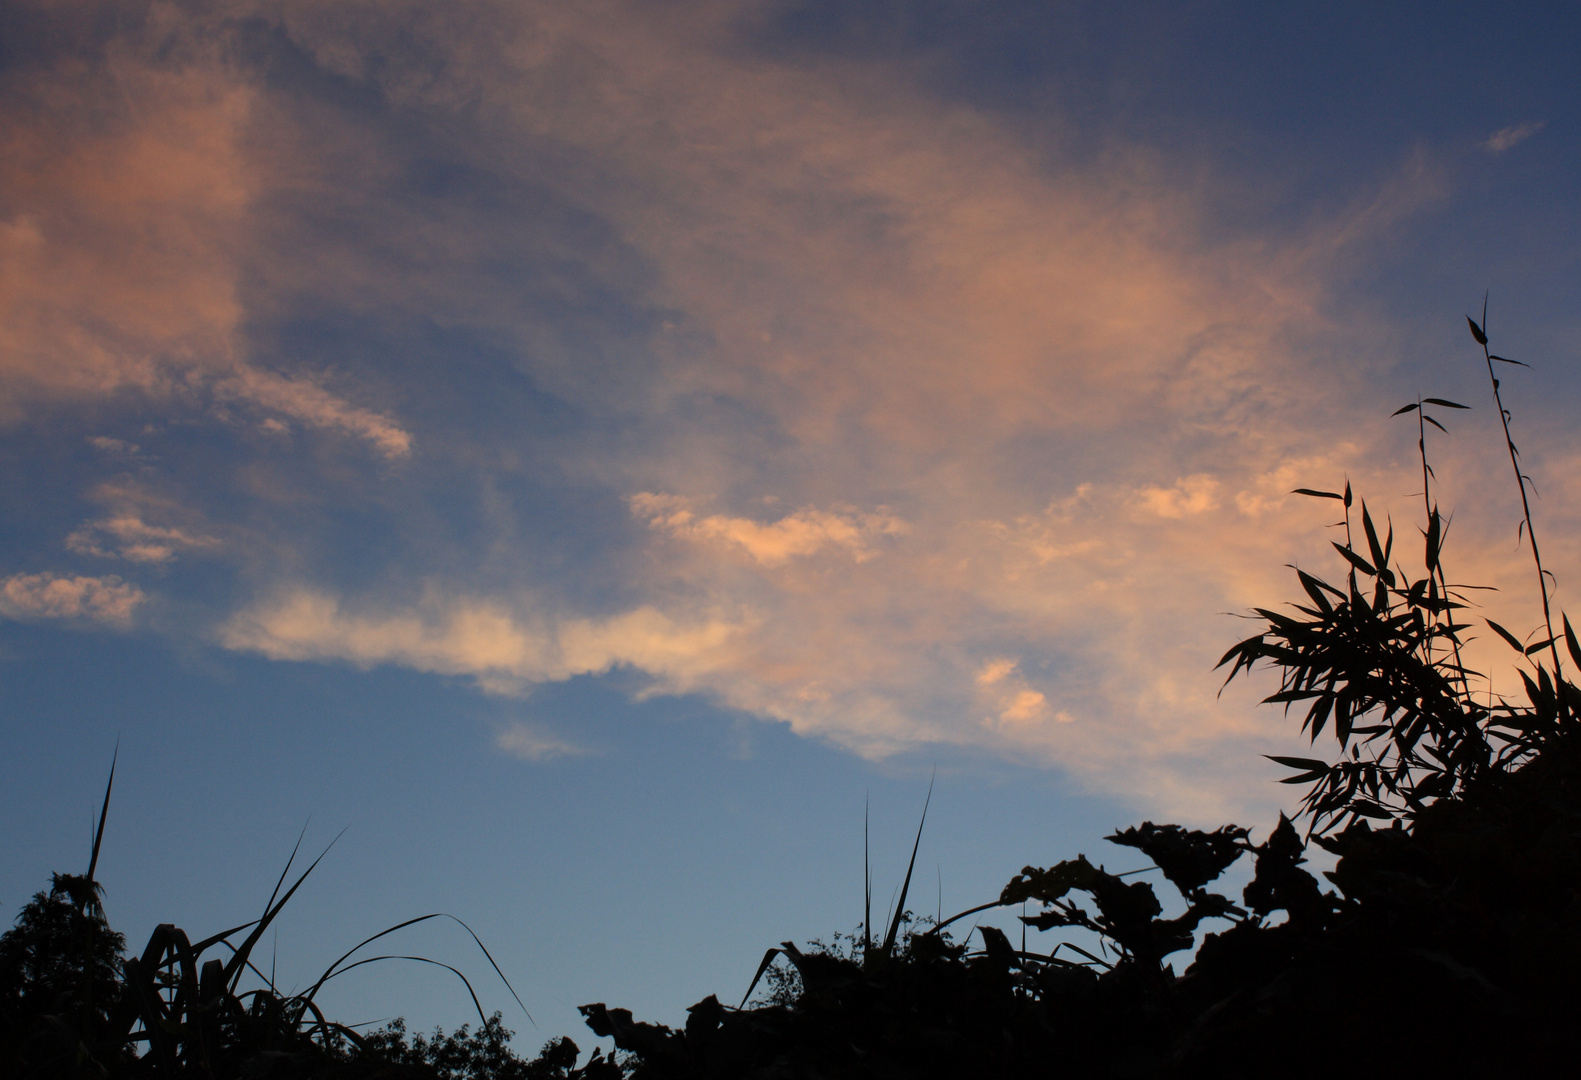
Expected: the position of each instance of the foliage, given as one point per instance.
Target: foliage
(1382, 660)
(1448, 949)
(466, 1055)
(71, 1006)
(60, 965)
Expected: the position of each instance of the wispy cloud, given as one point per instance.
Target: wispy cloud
(887, 292)
(1190, 495)
(485, 639)
(771, 543)
(531, 744)
(47, 595)
(127, 533)
(129, 537)
(891, 391)
(123, 273)
(1505, 138)
(305, 401)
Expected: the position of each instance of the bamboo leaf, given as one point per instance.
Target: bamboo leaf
(1356, 560)
(1476, 331)
(1373, 545)
(1445, 404)
(1313, 768)
(1405, 409)
(1515, 642)
(1317, 494)
(1371, 810)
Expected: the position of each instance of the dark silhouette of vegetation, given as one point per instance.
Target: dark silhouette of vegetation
(1447, 945)
(73, 1006)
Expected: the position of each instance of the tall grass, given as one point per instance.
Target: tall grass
(70, 1006)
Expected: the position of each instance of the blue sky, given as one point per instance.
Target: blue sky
(586, 451)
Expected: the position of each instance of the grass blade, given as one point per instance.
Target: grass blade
(900, 907)
(104, 812)
(332, 971)
(233, 967)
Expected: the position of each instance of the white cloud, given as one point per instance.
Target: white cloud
(1026, 706)
(122, 277)
(47, 595)
(127, 532)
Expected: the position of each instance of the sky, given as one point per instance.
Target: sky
(588, 455)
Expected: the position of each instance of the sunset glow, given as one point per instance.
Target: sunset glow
(587, 448)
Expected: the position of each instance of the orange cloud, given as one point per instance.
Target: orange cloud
(126, 531)
(1027, 403)
(129, 191)
(802, 533)
(900, 288)
(47, 595)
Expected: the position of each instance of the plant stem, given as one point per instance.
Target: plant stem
(1520, 480)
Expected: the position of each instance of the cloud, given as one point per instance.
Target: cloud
(1191, 495)
(529, 744)
(1025, 403)
(125, 533)
(1019, 400)
(467, 636)
(994, 671)
(802, 533)
(107, 600)
(307, 402)
(1027, 705)
(1505, 138)
(131, 538)
(130, 188)
(113, 446)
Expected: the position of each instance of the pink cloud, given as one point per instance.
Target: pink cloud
(1026, 403)
(131, 190)
(47, 595)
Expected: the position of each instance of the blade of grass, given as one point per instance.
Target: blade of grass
(768, 958)
(867, 878)
(332, 971)
(233, 968)
(900, 907)
(104, 812)
(421, 960)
